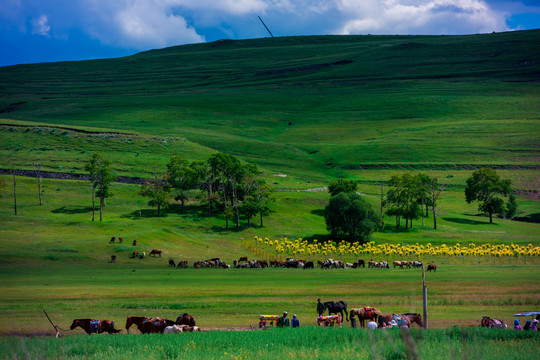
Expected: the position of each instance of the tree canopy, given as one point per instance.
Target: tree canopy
(349, 217)
(485, 186)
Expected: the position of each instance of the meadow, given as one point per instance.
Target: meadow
(306, 110)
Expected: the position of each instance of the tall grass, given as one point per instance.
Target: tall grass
(303, 343)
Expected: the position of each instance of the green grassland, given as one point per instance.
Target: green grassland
(311, 108)
(304, 343)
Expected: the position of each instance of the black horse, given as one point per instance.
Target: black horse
(337, 307)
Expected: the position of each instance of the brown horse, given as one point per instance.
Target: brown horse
(135, 320)
(407, 319)
(154, 325)
(364, 313)
(94, 326)
(185, 319)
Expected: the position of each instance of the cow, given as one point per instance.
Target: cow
(373, 264)
(182, 264)
(417, 264)
(309, 265)
(171, 263)
(361, 263)
(113, 258)
(431, 267)
(134, 242)
(243, 258)
(113, 239)
(120, 240)
(156, 252)
(135, 254)
(143, 255)
(384, 265)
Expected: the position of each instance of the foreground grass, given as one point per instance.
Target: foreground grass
(303, 343)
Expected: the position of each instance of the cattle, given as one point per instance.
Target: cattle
(309, 265)
(417, 264)
(134, 242)
(171, 263)
(264, 263)
(348, 265)
(156, 252)
(113, 258)
(143, 255)
(120, 240)
(135, 254)
(182, 264)
(113, 239)
(384, 265)
(243, 258)
(405, 263)
(361, 263)
(373, 264)
(431, 267)
(398, 263)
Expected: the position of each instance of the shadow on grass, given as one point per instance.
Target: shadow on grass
(319, 212)
(468, 221)
(144, 213)
(74, 210)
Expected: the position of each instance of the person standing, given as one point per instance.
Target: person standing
(295, 322)
(320, 307)
(283, 321)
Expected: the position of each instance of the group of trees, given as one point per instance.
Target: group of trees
(409, 197)
(348, 216)
(225, 184)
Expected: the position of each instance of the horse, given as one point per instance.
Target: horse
(363, 314)
(94, 326)
(113, 258)
(171, 263)
(432, 267)
(154, 325)
(337, 307)
(407, 319)
(185, 319)
(112, 240)
(137, 320)
(156, 252)
(492, 323)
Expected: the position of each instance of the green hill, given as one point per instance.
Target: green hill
(303, 105)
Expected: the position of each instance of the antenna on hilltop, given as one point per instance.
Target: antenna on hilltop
(266, 27)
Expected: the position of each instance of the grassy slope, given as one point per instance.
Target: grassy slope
(403, 100)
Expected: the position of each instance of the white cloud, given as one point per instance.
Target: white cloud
(40, 25)
(419, 17)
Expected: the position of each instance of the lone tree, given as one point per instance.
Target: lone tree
(101, 178)
(485, 186)
(348, 216)
(341, 185)
(157, 189)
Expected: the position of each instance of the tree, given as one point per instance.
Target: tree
(158, 190)
(342, 185)
(422, 191)
(511, 207)
(349, 216)
(402, 197)
(101, 178)
(484, 186)
(436, 191)
(204, 181)
(181, 176)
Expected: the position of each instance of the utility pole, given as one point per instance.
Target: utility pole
(424, 296)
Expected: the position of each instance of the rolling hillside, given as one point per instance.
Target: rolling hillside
(308, 106)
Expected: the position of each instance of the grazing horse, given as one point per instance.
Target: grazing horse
(364, 313)
(185, 319)
(155, 325)
(492, 323)
(113, 258)
(112, 240)
(337, 307)
(135, 254)
(156, 252)
(432, 267)
(120, 240)
(171, 263)
(134, 242)
(135, 320)
(94, 326)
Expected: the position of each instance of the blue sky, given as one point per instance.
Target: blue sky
(56, 30)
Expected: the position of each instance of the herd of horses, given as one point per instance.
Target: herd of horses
(370, 313)
(146, 325)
